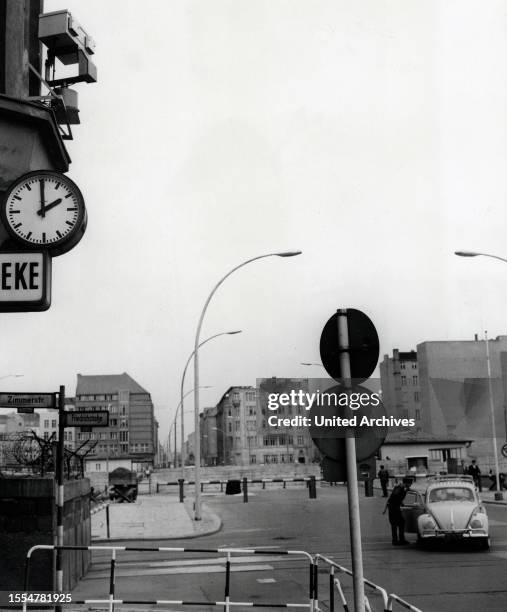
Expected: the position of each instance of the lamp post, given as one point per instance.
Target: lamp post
(498, 493)
(229, 333)
(174, 422)
(197, 512)
(475, 254)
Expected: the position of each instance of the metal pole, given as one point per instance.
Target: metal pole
(352, 487)
(60, 491)
(175, 445)
(498, 494)
(197, 509)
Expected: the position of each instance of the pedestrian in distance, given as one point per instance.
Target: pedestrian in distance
(475, 472)
(393, 507)
(383, 476)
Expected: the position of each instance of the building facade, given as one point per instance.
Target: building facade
(401, 391)
(131, 437)
(236, 431)
(455, 390)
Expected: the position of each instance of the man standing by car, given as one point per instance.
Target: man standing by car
(475, 472)
(393, 506)
(383, 476)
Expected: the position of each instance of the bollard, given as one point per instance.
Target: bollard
(180, 483)
(312, 488)
(221, 486)
(157, 487)
(107, 522)
(245, 490)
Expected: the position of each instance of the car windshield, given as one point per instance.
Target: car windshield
(455, 494)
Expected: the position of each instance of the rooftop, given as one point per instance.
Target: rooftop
(106, 383)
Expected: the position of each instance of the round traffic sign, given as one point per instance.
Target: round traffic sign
(363, 346)
(504, 450)
(329, 430)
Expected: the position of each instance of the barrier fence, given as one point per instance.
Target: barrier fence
(311, 604)
(310, 482)
(227, 603)
(335, 586)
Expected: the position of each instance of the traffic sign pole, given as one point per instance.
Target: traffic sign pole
(352, 487)
(60, 491)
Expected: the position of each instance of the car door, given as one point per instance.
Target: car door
(411, 509)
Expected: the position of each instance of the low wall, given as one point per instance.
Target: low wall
(28, 517)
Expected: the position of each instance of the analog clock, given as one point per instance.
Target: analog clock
(45, 210)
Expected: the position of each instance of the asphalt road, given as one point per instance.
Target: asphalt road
(437, 580)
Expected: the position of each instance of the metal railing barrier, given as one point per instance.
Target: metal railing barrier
(335, 585)
(311, 484)
(227, 603)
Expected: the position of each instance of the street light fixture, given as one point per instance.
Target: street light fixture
(197, 512)
(11, 376)
(474, 254)
(498, 493)
(229, 333)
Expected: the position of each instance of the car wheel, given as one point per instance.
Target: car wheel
(484, 544)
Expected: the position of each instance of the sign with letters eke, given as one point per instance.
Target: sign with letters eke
(27, 402)
(85, 418)
(25, 281)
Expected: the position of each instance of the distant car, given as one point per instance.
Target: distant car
(446, 508)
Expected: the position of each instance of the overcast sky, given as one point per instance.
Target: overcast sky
(370, 135)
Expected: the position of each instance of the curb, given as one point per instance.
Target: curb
(215, 527)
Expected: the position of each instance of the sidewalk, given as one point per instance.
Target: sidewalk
(153, 517)
(488, 497)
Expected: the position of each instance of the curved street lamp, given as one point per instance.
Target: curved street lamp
(175, 417)
(474, 254)
(197, 512)
(498, 494)
(182, 437)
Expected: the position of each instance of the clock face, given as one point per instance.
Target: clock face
(46, 210)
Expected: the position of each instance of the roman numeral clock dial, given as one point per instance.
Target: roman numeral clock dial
(45, 210)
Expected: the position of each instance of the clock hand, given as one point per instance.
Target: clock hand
(42, 208)
(42, 211)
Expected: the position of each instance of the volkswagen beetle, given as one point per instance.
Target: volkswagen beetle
(446, 508)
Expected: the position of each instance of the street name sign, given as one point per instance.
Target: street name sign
(27, 402)
(85, 418)
(25, 281)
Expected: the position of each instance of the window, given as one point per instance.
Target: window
(417, 414)
(402, 365)
(97, 467)
(53, 424)
(46, 423)
(250, 396)
(414, 380)
(301, 440)
(414, 365)
(124, 448)
(236, 426)
(416, 396)
(124, 436)
(46, 435)
(113, 435)
(253, 459)
(229, 427)
(403, 380)
(113, 422)
(251, 411)
(100, 398)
